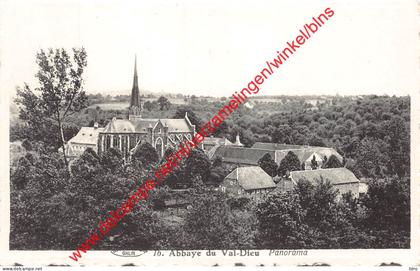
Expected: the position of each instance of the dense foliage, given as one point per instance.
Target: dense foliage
(51, 209)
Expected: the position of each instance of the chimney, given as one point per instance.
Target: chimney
(95, 125)
(238, 141)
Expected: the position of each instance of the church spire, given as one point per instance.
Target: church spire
(136, 105)
(135, 93)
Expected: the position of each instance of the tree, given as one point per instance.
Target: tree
(330, 224)
(197, 164)
(268, 165)
(146, 154)
(399, 141)
(333, 162)
(193, 99)
(149, 105)
(39, 127)
(369, 157)
(280, 222)
(112, 160)
(168, 152)
(27, 145)
(314, 163)
(218, 161)
(282, 135)
(289, 163)
(316, 141)
(163, 103)
(388, 204)
(227, 230)
(322, 201)
(87, 165)
(217, 175)
(60, 87)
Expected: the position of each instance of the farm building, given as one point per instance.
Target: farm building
(211, 142)
(87, 137)
(232, 155)
(341, 178)
(275, 146)
(247, 181)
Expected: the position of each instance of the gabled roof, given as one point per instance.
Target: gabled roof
(334, 175)
(305, 153)
(240, 155)
(275, 146)
(216, 141)
(86, 135)
(251, 178)
(176, 125)
(141, 125)
(250, 156)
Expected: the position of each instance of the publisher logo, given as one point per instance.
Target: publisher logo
(128, 253)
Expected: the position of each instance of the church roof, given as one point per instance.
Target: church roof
(251, 178)
(86, 135)
(119, 126)
(176, 125)
(141, 125)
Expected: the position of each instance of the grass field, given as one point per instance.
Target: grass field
(111, 106)
(124, 105)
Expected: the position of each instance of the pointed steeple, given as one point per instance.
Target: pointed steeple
(135, 93)
(136, 105)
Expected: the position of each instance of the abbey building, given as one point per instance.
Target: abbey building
(126, 134)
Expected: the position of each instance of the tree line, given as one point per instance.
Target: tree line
(53, 205)
(50, 210)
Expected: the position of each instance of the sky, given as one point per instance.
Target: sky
(214, 48)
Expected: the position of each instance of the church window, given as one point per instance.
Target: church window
(159, 146)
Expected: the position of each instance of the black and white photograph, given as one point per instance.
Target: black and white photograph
(209, 133)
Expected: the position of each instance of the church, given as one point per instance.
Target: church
(127, 134)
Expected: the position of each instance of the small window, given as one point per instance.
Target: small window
(83, 134)
(90, 135)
